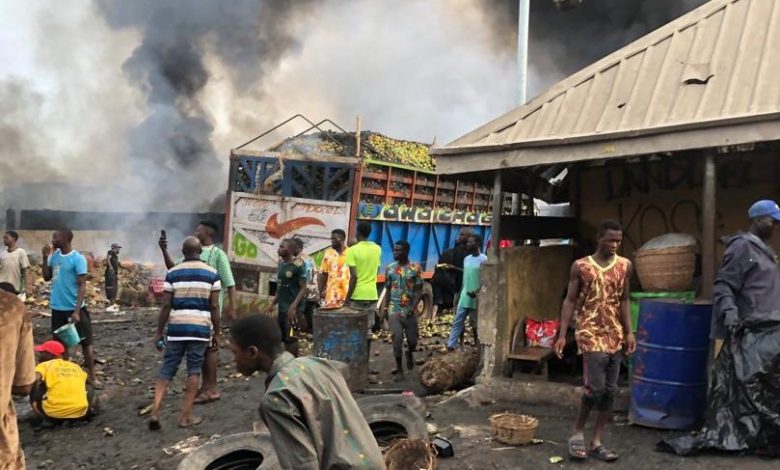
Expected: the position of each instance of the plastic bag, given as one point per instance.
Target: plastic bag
(743, 412)
(541, 334)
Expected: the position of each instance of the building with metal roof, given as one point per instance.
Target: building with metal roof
(678, 131)
(710, 78)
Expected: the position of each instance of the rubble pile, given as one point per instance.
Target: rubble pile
(135, 275)
(133, 285)
(40, 290)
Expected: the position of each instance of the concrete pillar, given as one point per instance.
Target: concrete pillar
(493, 320)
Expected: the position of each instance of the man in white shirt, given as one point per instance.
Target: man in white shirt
(14, 264)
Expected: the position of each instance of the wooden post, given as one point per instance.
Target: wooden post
(495, 224)
(708, 228)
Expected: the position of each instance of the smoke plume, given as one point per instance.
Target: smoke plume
(146, 97)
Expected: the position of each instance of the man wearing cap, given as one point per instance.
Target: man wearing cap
(747, 287)
(60, 390)
(112, 275)
(17, 372)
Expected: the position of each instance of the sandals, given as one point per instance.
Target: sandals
(205, 398)
(601, 453)
(577, 450)
(193, 421)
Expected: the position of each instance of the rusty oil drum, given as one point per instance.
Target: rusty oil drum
(340, 334)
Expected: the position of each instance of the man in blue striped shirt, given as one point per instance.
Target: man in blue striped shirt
(191, 311)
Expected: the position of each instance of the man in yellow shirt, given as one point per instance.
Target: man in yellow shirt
(363, 259)
(60, 390)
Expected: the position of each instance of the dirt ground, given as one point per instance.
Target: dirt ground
(118, 438)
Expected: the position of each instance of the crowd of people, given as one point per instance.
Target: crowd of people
(190, 323)
(199, 289)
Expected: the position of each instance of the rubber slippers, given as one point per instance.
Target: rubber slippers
(203, 398)
(577, 449)
(601, 453)
(194, 421)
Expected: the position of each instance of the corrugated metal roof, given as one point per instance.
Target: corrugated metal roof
(717, 66)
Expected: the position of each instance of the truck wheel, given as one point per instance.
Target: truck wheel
(241, 451)
(425, 306)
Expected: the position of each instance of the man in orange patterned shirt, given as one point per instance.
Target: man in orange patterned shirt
(599, 291)
(334, 272)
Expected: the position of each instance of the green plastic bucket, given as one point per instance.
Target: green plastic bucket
(637, 297)
(68, 335)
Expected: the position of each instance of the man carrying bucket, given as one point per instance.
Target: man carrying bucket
(67, 271)
(598, 284)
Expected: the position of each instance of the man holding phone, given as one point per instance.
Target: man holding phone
(467, 303)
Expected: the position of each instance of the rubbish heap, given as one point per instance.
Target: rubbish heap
(133, 285)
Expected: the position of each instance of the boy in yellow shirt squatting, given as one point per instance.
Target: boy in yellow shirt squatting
(60, 390)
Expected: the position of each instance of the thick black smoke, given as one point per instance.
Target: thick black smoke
(563, 42)
(172, 147)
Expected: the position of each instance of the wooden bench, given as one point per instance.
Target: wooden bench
(518, 351)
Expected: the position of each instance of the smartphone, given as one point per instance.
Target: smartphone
(163, 235)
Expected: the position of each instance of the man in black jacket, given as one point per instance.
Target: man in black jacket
(742, 410)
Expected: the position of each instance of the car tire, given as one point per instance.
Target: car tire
(240, 451)
(394, 416)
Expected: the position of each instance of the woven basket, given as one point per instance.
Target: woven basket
(410, 454)
(513, 429)
(666, 269)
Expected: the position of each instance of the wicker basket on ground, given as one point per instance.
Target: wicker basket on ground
(513, 429)
(666, 269)
(407, 454)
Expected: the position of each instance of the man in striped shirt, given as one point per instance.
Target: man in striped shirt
(191, 311)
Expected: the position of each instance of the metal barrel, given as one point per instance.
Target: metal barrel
(342, 335)
(669, 387)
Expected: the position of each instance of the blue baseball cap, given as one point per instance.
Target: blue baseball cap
(764, 208)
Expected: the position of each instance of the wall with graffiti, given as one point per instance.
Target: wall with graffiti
(259, 223)
(402, 213)
(651, 198)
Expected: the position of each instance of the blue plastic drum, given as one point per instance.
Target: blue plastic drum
(669, 387)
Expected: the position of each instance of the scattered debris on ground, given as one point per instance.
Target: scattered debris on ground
(134, 283)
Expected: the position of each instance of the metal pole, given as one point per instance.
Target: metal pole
(524, 7)
(495, 223)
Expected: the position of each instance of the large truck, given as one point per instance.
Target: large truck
(317, 181)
